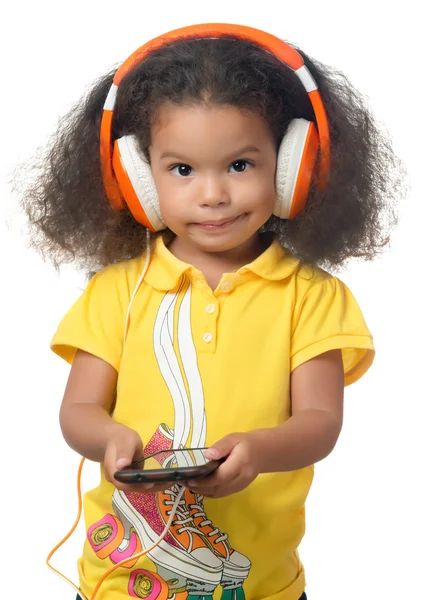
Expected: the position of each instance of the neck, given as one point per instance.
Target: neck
(214, 264)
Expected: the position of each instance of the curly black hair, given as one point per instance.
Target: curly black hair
(71, 218)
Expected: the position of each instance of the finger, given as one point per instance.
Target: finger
(109, 463)
(120, 465)
(221, 477)
(116, 461)
(122, 462)
(123, 457)
(219, 491)
(126, 457)
(205, 483)
(223, 447)
(131, 485)
(226, 472)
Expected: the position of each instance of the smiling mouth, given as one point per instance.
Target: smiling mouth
(216, 225)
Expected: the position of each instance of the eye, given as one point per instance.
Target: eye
(181, 170)
(240, 165)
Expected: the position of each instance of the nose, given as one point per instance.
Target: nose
(214, 191)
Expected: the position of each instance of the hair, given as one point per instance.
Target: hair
(71, 219)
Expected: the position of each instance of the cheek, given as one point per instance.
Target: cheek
(162, 184)
(263, 195)
(173, 211)
(169, 208)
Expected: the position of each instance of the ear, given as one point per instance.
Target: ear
(136, 183)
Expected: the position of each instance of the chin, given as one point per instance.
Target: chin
(217, 246)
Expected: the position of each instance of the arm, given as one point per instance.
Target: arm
(317, 392)
(317, 389)
(85, 417)
(84, 414)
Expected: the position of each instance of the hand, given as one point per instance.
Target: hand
(124, 446)
(240, 468)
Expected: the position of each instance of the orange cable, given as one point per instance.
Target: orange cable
(117, 565)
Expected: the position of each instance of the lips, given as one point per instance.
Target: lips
(218, 223)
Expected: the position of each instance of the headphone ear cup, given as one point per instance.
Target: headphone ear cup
(136, 183)
(295, 165)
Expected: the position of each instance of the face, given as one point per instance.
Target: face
(214, 169)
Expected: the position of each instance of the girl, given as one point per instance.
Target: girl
(251, 170)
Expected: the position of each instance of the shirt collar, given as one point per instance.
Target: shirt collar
(166, 270)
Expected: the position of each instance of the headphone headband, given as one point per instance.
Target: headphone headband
(269, 42)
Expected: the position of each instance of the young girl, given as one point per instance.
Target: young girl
(249, 170)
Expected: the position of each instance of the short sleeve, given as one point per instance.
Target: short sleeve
(95, 322)
(328, 318)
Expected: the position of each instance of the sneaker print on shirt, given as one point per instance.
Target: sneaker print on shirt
(195, 556)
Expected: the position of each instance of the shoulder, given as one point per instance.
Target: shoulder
(311, 274)
(95, 322)
(119, 278)
(300, 276)
(322, 294)
(308, 277)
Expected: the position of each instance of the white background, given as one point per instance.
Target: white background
(374, 515)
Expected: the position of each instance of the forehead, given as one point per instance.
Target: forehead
(208, 128)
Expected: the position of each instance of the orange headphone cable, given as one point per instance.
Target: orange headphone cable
(117, 565)
(79, 476)
(71, 531)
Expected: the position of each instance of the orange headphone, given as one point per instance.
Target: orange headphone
(128, 179)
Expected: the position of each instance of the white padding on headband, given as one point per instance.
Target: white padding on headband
(139, 172)
(289, 161)
(306, 79)
(111, 98)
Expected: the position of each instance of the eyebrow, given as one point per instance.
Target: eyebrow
(244, 150)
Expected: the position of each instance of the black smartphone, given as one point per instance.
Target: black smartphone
(185, 464)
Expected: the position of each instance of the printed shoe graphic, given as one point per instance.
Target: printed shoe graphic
(184, 550)
(145, 584)
(152, 586)
(109, 537)
(161, 441)
(236, 566)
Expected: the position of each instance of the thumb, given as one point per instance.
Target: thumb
(125, 458)
(127, 451)
(223, 447)
(122, 462)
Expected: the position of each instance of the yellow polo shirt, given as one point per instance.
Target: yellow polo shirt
(197, 365)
